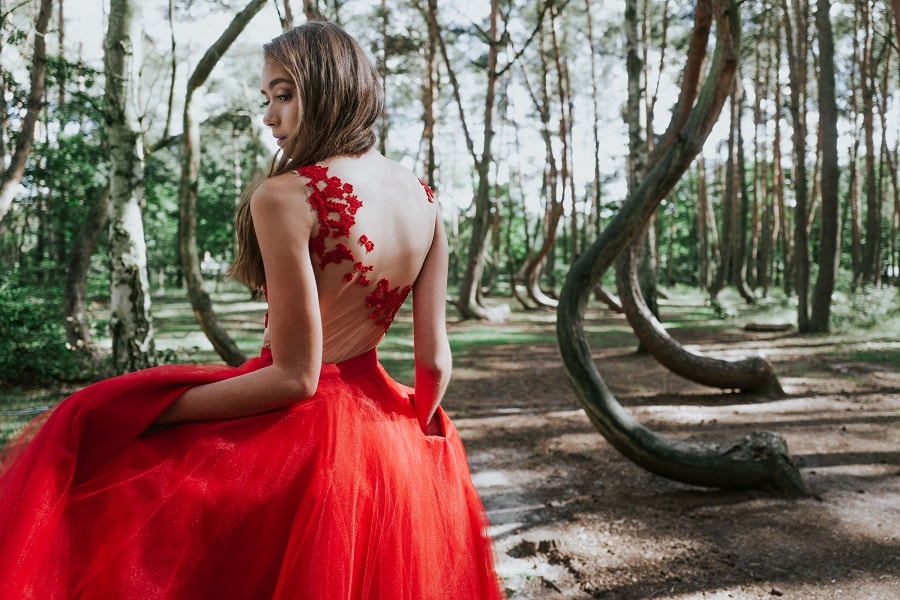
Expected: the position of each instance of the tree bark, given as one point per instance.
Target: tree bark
(468, 303)
(78, 333)
(758, 459)
(797, 73)
(429, 96)
(311, 10)
(12, 174)
(554, 179)
(872, 246)
(752, 374)
(130, 321)
(895, 8)
(187, 196)
(828, 115)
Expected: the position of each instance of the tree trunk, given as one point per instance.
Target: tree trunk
(468, 303)
(797, 73)
(752, 374)
(187, 196)
(703, 219)
(554, 179)
(384, 14)
(871, 250)
(311, 10)
(429, 95)
(759, 459)
(13, 172)
(130, 320)
(78, 333)
(895, 6)
(782, 234)
(596, 189)
(828, 115)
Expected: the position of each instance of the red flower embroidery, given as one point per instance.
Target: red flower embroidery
(365, 241)
(336, 206)
(429, 193)
(386, 302)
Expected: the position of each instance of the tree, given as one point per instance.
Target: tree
(895, 5)
(187, 198)
(753, 374)
(469, 302)
(758, 459)
(130, 320)
(871, 249)
(796, 36)
(12, 173)
(830, 176)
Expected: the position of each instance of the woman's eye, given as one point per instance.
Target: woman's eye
(265, 103)
(284, 97)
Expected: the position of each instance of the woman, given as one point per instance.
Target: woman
(307, 472)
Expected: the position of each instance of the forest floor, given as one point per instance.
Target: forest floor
(572, 518)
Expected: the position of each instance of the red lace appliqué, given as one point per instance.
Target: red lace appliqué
(336, 205)
(429, 193)
(386, 302)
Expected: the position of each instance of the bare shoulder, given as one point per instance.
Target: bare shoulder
(289, 184)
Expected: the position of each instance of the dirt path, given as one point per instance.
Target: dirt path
(573, 519)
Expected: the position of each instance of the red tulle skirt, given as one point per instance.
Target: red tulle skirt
(339, 496)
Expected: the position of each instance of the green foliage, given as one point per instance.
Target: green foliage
(32, 338)
(866, 307)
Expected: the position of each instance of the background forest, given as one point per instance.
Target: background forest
(533, 120)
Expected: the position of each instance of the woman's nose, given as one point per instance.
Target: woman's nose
(269, 119)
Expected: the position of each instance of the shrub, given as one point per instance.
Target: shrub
(32, 337)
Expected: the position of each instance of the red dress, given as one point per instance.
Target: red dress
(339, 496)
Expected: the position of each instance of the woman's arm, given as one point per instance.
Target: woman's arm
(431, 346)
(283, 222)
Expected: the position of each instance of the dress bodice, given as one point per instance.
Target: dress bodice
(366, 254)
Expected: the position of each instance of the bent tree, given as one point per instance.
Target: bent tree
(756, 460)
(187, 198)
(750, 374)
(12, 173)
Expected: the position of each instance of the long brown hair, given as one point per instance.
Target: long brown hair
(340, 98)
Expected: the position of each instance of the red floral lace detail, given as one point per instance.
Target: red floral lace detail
(336, 205)
(429, 193)
(365, 241)
(386, 302)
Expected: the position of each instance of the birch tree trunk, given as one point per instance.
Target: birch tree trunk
(758, 459)
(130, 321)
(13, 172)
(187, 196)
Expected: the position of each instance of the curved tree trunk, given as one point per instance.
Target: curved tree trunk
(469, 302)
(756, 460)
(13, 172)
(752, 374)
(187, 197)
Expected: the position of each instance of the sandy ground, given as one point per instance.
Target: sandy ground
(571, 518)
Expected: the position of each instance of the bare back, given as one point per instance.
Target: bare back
(374, 223)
